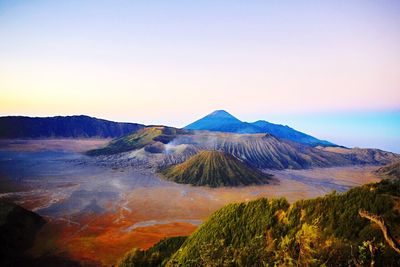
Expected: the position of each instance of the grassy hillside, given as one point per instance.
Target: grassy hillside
(215, 168)
(154, 256)
(137, 140)
(391, 170)
(309, 232)
(326, 231)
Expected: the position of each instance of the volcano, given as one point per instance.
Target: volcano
(222, 121)
(214, 169)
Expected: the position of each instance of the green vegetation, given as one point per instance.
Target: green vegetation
(326, 231)
(154, 256)
(215, 168)
(391, 170)
(137, 140)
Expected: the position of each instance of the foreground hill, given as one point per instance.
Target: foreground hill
(18, 228)
(222, 121)
(63, 127)
(328, 231)
(215, 168)
(391, 170)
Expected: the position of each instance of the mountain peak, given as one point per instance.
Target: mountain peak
(222, 121)
(221, 113)
(219, 120)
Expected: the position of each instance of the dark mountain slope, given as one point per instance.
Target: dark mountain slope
(222, 121)
(63, 127)
(215, 168)
(18, 228)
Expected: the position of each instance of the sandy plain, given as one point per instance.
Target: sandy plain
(96, 214)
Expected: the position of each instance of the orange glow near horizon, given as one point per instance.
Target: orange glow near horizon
(172, 63)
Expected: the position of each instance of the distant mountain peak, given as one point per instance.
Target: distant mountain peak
(216, 120)
(76, 126)
(222, 121)
(221, 113)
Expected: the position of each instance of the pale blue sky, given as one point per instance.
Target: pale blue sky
(362, 129)
(171, 62)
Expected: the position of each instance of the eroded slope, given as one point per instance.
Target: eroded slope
(215, 168)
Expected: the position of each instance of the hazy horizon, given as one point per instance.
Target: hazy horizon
(356, 129)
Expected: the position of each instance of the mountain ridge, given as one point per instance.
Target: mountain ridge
(76, 126)
(151, 137)
(160, 147)
(223, 121)
(390, 170)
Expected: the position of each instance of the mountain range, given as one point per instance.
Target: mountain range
(152, 135)
(63, 127)
(88, 127)
(161, 146)
(260, 145)
(222, 121)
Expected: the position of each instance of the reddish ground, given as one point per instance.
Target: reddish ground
(102, 242)
(104, 238)
(142, 216)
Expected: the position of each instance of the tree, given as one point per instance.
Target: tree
(390, 240)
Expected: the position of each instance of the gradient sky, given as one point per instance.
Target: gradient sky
(330, 68)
